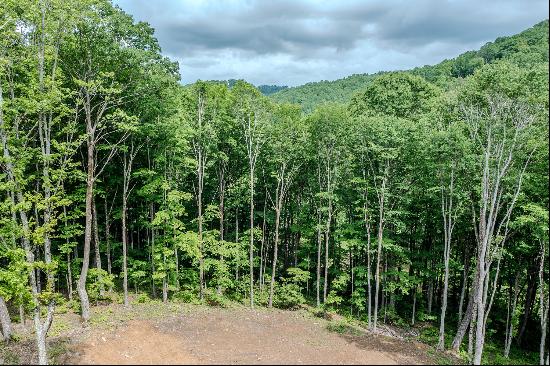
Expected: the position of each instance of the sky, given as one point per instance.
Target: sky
(292, 42)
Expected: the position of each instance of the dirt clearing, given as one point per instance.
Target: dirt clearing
(156, 333)
(235, 336)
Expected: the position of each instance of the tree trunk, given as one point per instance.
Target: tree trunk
(379, 251)
(465, 322)
(251, 248)
(124, 249)
(480, 308)
(81, 287)
(201, 244)
(464, 286)
(544, 305)
(69, 277)
(164, 281)
(262, 274)
(414, 307)
(327, 235)
(510, 318)
(152, 214)
(529, 300)
(430, 295)
(448, 225)
(369, 286)
(278, 202)
(96, 247)
(5, 320)
(318, 258)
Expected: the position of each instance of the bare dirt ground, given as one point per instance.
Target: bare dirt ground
(188, 334)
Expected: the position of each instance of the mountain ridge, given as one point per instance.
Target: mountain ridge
(525, 48)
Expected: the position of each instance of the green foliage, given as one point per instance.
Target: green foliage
(213, 298)
(287, 296)
(186, 296)
(97, 280)
(311, 95)
(399, 95)
(343, 327)
(143, 298)
(13, 275)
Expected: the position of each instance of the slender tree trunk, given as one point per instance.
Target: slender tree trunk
(222, 202)
(262, 245)
(201, 244)
(126, 190)
(237, 241)
(480, 308)
(69, 276)
(369, 285)
(108, 240)
(544, 305)
(96, 247)
(529, 301)
(448, 225)
(510, 318)
(177, 262)
(251, 249)
(318, 257)
(5, 320)
(81, 287)
(327, 263)
(471, 334)
(414, 307)
(124, 249)
(430, 294)
(151, 217)
(464, 286)
(279, 196)
(379, 250)
(465, 322)
(164, 281)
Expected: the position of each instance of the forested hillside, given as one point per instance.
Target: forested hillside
(264, 89)
(421, 198)
(525, 49)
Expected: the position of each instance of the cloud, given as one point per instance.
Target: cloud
(292, 42)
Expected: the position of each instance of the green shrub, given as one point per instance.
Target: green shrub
(98, 279)
(143, 298)
(342, 327)
(288, 296)
(423, 317)
(186, 296)
(113, 297)
(212, 298)
(262, 297)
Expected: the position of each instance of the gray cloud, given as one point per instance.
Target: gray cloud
(306, 40)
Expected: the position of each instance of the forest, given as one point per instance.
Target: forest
(401, 197)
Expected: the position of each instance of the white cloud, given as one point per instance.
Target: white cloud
(293, 42)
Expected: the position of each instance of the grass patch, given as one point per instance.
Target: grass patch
(493, 354)
(58, 326)
(8, 357)
(343, 327)
(57, 349)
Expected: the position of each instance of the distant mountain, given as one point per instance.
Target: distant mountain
(271, 89)
(526, 49)
(312, 94)
(264, 89)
